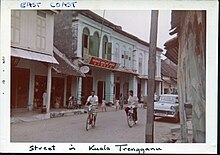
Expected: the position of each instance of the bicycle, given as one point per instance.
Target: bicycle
(130, 116)
(90, 122)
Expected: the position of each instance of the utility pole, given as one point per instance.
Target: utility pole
(100, 38)
(149, 129)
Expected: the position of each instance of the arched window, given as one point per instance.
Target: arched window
(117, 53)
(94, 45)
(104, 47)
(140, 63)
(85, 41)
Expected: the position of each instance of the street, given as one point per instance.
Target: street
(111, 127)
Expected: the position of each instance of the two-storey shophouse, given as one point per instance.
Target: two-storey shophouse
(117, 60)
(34, 68)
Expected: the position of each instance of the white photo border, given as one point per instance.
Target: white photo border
(211, 75)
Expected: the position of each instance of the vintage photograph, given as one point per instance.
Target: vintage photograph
(94, 79)
(63, 61)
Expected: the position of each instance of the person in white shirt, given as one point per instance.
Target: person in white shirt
(44, 97)
(132, 100)
(103, 105)
(93, 100)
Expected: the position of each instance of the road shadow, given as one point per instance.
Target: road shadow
(165, 120)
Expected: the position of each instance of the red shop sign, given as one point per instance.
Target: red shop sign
(102, 63)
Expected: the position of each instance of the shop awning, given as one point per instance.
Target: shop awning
(27, 54)
(168, 70)
(65, 66)
(125, 70)
(172, 49)
(142, 76)
(146, 77)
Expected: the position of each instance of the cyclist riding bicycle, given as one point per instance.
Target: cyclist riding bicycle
(93, 100)
(132, 102)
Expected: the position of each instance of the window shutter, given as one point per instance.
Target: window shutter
(109, 52)
(91, 49)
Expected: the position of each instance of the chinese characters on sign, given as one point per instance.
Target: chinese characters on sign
(102, 63)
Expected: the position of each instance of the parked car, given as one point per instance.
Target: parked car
(167, 107)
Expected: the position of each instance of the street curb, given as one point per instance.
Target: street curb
(30, 119)
(45, 116)
(66, 113)
(55, 114)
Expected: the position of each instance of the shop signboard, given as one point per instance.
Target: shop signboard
(102, 63)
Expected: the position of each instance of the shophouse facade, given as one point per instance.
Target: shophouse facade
(169, 77)
(117, 60)
(33, 60)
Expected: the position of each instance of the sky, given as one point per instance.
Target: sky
(137, 22)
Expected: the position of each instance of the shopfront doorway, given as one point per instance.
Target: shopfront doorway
(139, 92)
(87, 85)
(117, 90)
(125, 90)
(57, 92)
(39, 88)
(19, 87)
(101, 90)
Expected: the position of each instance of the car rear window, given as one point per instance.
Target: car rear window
(172, 99)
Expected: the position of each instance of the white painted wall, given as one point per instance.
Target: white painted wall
(124, 44)
(28, 31)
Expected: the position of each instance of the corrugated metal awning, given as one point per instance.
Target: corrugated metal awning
(26, 54)
(65, 66)
(168, 70)
(172, 49)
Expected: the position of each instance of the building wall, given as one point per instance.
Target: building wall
(125, 50)
(32, 30)
(63, 33)
(39, 69)
(191, 69)
(36, 68)
(27, 26)
(68, 36)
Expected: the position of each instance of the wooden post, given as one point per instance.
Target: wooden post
(64, 93)
(149, 129)
(49, 81)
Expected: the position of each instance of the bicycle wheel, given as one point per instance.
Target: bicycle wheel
(88, 123)
(130, 120)
(93, 121)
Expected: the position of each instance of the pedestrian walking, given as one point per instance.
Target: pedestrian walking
(117, 105)
(44, 97)
(70, 102)
(121, 101)
(103, 106)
